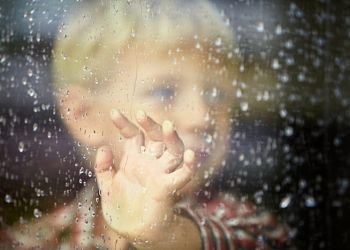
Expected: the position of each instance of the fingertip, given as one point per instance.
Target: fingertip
(114, 114)
(167, 127)
(189, 156)
(140, 115)
(104, 157)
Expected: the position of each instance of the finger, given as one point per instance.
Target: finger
(169, 162)
(152, 129)
(172, 140)
(104, 168)
(155, 149)
(135, 143)
(126, 128)
(180, 177)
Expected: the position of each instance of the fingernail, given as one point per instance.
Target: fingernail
(168, 126)
(114, 114)
(140, 115)
(101, 154)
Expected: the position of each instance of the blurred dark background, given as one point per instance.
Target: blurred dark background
(290, 147)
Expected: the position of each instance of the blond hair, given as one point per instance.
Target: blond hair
(97, 35)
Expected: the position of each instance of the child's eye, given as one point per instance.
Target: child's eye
(165, 93)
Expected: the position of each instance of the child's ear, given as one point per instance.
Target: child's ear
(76, 109)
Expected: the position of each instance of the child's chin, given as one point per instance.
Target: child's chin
(191, 188)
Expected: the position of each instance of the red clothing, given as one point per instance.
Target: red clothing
(224, 223)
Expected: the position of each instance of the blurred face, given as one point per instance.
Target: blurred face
(196, 96)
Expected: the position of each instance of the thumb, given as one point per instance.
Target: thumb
(104, 168)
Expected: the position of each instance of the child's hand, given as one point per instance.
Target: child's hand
(138, 192)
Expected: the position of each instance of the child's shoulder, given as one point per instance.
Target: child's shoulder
(63, 226)
(227, 222)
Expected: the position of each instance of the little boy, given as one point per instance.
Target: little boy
(149, 83)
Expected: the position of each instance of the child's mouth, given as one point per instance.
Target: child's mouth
(201, 157)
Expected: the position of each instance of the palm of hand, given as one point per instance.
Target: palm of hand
(137, 197)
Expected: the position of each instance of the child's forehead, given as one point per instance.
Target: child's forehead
(178, 59)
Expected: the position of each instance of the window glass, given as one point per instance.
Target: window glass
(256, 92)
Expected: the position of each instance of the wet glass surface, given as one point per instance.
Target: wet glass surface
(289, 149)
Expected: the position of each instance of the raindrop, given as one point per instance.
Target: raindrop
(241, 68)
(21, 147)
(31, 92)
(8, 198)
(218, 41)
(260, 27)
(244, 106)
(35, 127)
(284, 78)
(258, 196)
(301, 77)
(208, 138)
(288, 131)
(24, 81)
(275, 64)
(206, 174)
(239, 93)
(285, 201)
(81, 170)
(283, 113)
(278, 30)
(133, 33)
(90, 174)
(258, 161)
(214, 93)
(310, 201)
(289, 44)
(30, 72)
(37, 213)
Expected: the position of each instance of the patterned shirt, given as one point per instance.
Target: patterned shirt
(223, 222)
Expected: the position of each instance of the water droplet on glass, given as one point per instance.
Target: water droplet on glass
(289, 44)
(278, 30)
(244, 106)
(288, 131)
(133, 33)
(37, 213)
(208, 138)
(310, 201)
(21, 147)
(275, 64)
(31, 92)
(239, 93)
(218, 41)
(241, 68)
(30, 72)
(81, 170)
(8, 198)
(89, 173)
(285, 201)
(260, 27)
(214, 93)
(283, 113)
(35, 127)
